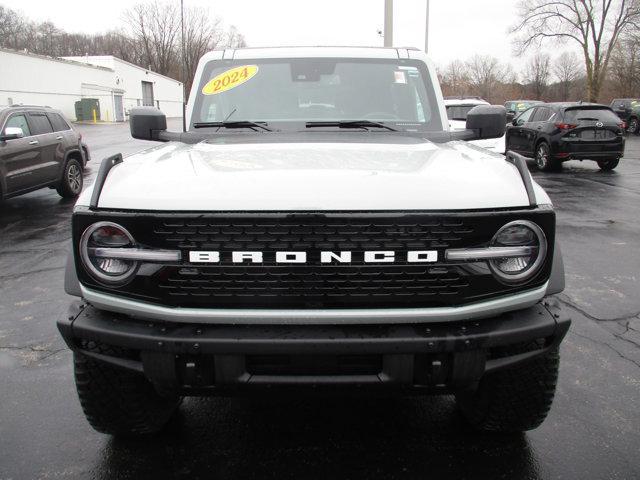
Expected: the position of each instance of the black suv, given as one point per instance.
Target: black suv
(628, 109)
(553, 133)
(38, 148)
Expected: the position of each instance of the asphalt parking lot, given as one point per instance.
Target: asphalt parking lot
(593, 431)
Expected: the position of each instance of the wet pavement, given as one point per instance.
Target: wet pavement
(593, 430)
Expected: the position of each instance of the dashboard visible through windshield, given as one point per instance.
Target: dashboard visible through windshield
(283, 93)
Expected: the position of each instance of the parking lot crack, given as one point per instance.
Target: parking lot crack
(12, 276)
(609, 346)
(590, 316)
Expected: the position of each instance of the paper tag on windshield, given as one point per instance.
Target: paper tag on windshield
(400, 77)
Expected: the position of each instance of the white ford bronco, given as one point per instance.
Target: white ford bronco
(318, 224)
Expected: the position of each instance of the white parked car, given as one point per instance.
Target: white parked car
(457, 110)
(318, 226)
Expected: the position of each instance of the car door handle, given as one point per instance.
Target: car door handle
(33, 142)
(540, 127)
(59, 137)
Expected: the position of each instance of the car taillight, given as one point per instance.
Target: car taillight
(565, 126)
(623, 125)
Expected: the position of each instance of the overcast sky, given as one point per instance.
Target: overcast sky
(459, 28)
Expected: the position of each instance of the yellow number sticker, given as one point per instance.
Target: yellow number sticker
(229, 79)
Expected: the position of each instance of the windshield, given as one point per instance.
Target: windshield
(285, 92)
(459, 112)
(518, 106)
(590, 115)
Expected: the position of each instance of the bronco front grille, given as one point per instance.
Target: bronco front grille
(314, 284)
(312, 234)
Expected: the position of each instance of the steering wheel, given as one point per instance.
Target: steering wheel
(380, 116)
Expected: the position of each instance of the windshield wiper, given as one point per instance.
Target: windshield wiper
(237, 124)
(366, 124)
(589, 118)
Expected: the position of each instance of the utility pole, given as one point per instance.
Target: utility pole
(184, 70)
(426, 30)
(388, 23)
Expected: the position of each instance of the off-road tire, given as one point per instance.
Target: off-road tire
(634, 126)
(71, 184)
(515, 399)
(608, 165)
(544, 161)
(118, 401)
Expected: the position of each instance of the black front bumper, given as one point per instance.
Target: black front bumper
(205, 358)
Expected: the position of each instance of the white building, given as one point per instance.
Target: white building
(60, 82)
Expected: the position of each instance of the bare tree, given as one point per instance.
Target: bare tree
(625, 67)
(200, 35)
(594, 25)
(156, 30)
(455, 78)
(537, 74)
(11, 25)
(156, 26)
(235, 39)
(485, 73)
(566, 69)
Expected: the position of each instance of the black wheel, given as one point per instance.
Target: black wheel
(544, 162)
(516, 399)
(608, 165)
(71, 184)
(118, 401)
(634, 125)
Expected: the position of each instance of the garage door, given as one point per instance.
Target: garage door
(147, 94)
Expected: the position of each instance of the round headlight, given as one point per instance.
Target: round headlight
(519, 269)
(95, 243)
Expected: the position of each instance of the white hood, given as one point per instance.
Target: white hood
(404, 174)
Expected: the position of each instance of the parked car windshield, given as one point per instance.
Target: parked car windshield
(459, 112)
(576, 115)
(518, 106)
(289, 91)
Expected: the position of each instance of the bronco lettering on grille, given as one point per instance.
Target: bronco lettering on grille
(383, 256)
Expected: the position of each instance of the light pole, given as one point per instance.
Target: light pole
(184, 70)
(388, 23)
(426, 30)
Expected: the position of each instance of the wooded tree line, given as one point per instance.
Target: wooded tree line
(150, 37)
(603, 62)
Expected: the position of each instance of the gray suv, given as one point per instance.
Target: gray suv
(39, 148)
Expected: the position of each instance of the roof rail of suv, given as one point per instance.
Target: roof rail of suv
(20, 105)
(464, 97)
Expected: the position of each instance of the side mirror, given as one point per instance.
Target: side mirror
(487, 121)
(11, 133)
(147, 122)
(515, 122)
